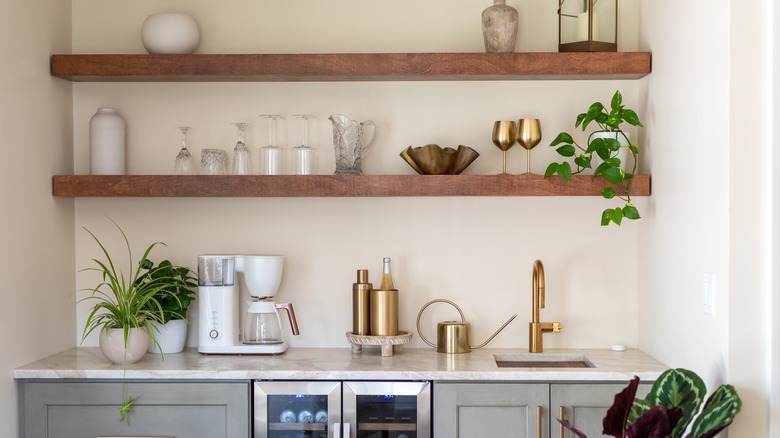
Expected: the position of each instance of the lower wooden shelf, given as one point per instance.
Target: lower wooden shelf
(332, 185)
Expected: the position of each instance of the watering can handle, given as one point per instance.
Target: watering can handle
(373, 134)
(440, 300)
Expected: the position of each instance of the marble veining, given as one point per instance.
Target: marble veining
(342, 364)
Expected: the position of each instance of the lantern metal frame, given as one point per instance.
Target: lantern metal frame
(589, 45)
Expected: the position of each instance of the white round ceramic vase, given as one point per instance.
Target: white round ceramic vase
(171, 337)
(107, 143)
(112, 344)
(170, 33)
(622, 152)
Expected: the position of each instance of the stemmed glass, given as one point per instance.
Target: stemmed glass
(271, 156)
(504, 136)
(241, 164)
(304, 156)
(529, 134)
(185, 164)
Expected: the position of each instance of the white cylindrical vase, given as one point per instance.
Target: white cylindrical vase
(107, 143)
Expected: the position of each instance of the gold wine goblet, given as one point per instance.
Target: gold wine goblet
(529, 134)
(504, 136)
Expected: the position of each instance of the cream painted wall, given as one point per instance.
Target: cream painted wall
(475, 251)
(36, 230)
(708, 130)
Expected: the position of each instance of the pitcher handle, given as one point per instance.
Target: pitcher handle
(291, 315)
(373, 134)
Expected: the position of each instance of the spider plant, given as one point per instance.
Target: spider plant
(123, 302)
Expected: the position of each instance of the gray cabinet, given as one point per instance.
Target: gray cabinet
(584, 405)
(88, 408)
(506, 410)
(521, 409)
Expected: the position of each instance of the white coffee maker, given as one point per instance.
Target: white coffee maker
(219, 298)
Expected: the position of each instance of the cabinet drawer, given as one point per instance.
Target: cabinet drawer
(85, 409)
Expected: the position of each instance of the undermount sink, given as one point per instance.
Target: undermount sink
(542, 360)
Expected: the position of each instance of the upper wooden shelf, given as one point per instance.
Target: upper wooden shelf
(352, 67)
(333, 185)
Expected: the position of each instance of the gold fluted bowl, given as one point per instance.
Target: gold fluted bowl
(432, 159)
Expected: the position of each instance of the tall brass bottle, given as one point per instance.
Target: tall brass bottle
(360, 304)
(384, 305)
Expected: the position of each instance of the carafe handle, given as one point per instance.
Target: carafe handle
(291, 315)
(373, 134)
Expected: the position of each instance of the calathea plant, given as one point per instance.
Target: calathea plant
(606, 149)
(669, 408)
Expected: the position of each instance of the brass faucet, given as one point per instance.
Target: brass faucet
(537, 329)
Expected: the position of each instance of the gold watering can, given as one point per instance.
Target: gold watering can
(453, 336)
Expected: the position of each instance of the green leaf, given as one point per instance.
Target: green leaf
(613, 174)
(126, 408)
(552, 169)
(580, 118)
(612, 144)
(630, 212)
(563, 137)
(566, 150)
(605, 217)
(630, 117)
(634, 150)
(583, 161)
(718, 412)
(616, 215)
(682, 388)
(608, 193)
(597, 145)
(617, 101)
(564, 170)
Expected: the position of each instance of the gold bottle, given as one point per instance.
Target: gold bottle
(360, 304)
(384, 305)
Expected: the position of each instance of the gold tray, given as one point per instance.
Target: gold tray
(389, 344)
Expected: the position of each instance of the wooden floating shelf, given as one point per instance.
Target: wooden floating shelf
(351, 67)
(332, 185)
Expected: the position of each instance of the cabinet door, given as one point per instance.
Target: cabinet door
(584, 405)
(69, 409)
(490, 410)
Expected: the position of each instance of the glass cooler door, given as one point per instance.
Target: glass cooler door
(387, 409)
(296, 409)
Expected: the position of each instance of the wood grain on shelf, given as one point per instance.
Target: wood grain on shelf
(351, 66)
(332, 185)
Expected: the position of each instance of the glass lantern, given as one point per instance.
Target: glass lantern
(587, 25)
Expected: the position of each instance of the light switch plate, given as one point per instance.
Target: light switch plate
(708, 293)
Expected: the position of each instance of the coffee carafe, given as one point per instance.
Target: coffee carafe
(219, 299)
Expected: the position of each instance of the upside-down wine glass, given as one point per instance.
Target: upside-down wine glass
(272, 155)
(241, 164)
(504, 136)
(185, 164)
(304, 156)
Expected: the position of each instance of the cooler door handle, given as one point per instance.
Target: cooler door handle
(337, 428)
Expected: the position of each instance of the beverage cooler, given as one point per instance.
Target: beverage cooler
(297, 409)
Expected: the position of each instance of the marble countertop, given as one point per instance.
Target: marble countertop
(342, 364)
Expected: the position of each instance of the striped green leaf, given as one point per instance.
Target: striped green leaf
(719, 411)
(681, 388)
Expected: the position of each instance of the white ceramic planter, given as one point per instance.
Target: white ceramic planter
(170, 34)
(107, 143)
(171, 336)
(621, 153)
(112, 344)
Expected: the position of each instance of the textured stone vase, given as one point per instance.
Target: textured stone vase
(499, 27)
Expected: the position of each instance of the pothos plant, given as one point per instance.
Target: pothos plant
(673, 402)
(609, 120)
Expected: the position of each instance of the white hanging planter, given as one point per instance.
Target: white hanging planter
(621, 153)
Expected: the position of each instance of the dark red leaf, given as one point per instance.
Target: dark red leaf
(658, 422)
(617, 415)
(575, 431)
